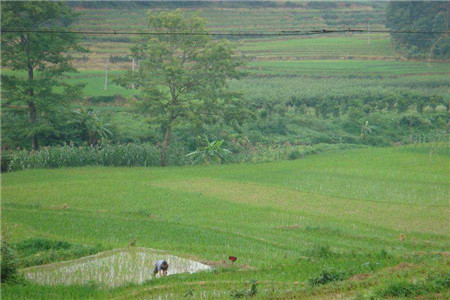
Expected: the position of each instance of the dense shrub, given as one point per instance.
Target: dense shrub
(32, 246)
(5, 161)
(295, 154)
(326, 276)
(432, 284)
(103, 99)
(400, 289)
(321, 251)
(176, 154)
(243, 293)
(412, 120)
(8, 262)
(38, 251)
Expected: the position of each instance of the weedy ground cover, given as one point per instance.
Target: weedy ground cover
(39, 251)
(382, 213)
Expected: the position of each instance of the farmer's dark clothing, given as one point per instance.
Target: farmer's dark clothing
(160, 265)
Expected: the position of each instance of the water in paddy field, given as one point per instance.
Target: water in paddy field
(111, 268)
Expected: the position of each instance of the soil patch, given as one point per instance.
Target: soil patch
(360, 277)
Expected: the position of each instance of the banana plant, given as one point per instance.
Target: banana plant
(93, 127)
(212, 152)
(365, 130)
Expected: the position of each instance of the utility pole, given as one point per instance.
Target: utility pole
(132, 69)
(106, 74)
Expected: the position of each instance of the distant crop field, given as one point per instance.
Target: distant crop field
(332, 47)
(281, 80)
(346, 68)
(366, 46)
(378, 212)
(249, 20)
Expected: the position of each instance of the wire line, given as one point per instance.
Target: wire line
(279, 33)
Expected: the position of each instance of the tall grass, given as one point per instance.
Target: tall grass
(147, 155)
(128, 155)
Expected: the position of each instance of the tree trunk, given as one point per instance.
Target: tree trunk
(32, 110)
(166, 145)
(32, 117)
(106, 74)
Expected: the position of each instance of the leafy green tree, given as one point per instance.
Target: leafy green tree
(44, 59)
(428, 16)
(183, 74)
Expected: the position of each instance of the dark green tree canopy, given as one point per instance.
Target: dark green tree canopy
(43, 58)
(42, 51)
(430, 16)
(183, 77)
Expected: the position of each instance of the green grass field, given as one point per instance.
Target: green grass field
(382, 213)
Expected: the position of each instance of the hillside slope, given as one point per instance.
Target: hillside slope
(229, 17)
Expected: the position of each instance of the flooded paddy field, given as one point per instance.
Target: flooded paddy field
(110, 268)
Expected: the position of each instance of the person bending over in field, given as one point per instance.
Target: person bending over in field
(161, 267)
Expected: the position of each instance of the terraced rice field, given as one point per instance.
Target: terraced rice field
(253, 20)
(377, 215)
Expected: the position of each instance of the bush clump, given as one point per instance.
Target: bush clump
(8, 261)
(322, 251)
(326, 276)
(38, 251)
(434, 283)
(5, 161)
(252, 291)
(293, 155)
(103, 99)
